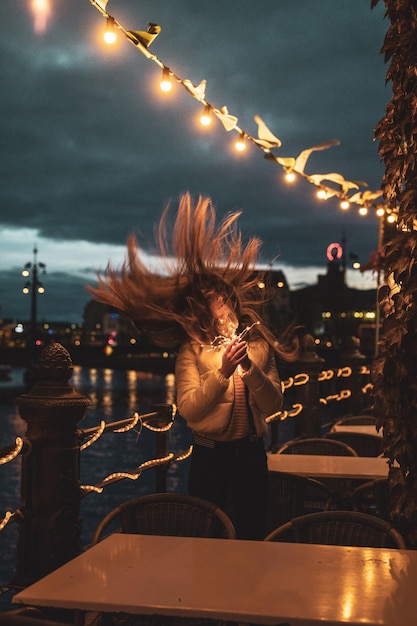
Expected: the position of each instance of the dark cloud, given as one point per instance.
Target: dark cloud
(91, 151)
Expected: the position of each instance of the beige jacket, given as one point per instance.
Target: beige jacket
(205, 397)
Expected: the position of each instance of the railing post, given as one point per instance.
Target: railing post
(353, 358)
(50, 532)
(308, 422)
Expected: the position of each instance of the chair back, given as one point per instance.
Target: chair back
(343, 528)
(372, 497)
(356, 420)
(316, 445)
(172, 514)
(364, 444)
(292, 495)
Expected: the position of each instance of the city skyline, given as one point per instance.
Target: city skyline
(94, 152)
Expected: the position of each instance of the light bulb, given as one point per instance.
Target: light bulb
(109, 34)
(240, 144)
(290, 177)
(321, 194)
(344, 205)
(165, 83)
(205, 118)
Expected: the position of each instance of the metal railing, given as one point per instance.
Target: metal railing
(48, 517)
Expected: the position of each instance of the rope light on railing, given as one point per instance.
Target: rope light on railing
(326, 375)
(283, 415)
(159, 429)
(9, 517)
(14, 453)
(124, 429)
(330, 185)
(344, 372)
(301, 379)
(116, 476)
(96, 436)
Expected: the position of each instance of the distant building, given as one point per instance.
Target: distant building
(332, 312)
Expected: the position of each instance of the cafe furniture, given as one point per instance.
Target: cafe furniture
(167, 514)
(342, 528)
(250, 582)
(364, 444)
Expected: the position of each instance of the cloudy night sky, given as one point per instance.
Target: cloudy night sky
(91, 150)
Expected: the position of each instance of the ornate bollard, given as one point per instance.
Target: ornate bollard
(50, 532)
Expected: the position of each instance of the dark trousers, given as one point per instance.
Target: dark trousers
(233, 475)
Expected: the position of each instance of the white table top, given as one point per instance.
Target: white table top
(368, 429)
(322, 466)
(264, 582)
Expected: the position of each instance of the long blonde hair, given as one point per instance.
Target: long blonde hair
(200, 257)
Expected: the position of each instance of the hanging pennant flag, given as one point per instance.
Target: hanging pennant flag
(146, 38)
(199, 92)
(228, 121)
(266, 139)
(102, 4)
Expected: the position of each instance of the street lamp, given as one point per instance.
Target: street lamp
(33, 286)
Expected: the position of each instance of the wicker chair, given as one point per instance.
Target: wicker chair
(292, 495)
(364, 444)
(372, 497)
(342, 528)
(316, 445)
(340, 488)
(28, 616)
(168, 514)
(356, 420)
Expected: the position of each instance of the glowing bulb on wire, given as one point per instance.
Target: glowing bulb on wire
(205, 118)
(165, 84)
(290, 177)
(240, 144)
(344, 205)
(110, 34)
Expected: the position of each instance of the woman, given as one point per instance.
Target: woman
(227, 382)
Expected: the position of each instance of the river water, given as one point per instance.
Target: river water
(114, 395)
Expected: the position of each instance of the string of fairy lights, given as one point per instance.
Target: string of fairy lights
(330, 185)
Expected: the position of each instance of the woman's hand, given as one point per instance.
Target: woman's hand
(235, 354)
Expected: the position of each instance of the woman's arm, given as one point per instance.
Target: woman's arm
(197, 393)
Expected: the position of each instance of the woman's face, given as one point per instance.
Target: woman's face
(223, 314)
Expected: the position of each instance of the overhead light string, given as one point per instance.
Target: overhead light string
(330, 185)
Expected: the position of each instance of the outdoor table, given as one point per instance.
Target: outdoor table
(323, 466)
(243, 581)
(368, 429)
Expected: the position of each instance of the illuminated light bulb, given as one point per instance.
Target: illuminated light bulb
(109, 34)
(345, 204)
(356, 265)
(205, 118)
(25, 289)
(25, 272)
(380, 212)
(321, 194)
(240, 144)
(165, 83)
(41, 289)
(363, 210)
(290, 177)
(391, 218)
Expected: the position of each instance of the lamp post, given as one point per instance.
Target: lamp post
(33, 286)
